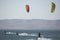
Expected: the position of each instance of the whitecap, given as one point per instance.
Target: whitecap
(26, 34)
(10, 33)
(44, 39)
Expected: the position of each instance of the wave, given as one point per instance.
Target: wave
(21, 34)
(26, 34)
(40, 39)
(10, 32)
(44, 38)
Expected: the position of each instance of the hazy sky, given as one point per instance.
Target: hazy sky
(34, 24)
(39, 9)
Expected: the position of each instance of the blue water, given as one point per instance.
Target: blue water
(28, 34)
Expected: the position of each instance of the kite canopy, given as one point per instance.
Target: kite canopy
(27, 8)
(52, 7)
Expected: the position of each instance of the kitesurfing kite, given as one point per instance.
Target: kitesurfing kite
(27, 8)
(52, 7)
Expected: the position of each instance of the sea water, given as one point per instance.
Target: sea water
(29, 35)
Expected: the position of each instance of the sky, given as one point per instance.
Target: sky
(39, 9)
(35, 24)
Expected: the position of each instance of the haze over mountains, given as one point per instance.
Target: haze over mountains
(34, 24)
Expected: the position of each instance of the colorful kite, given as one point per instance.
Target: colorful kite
(52, 7)
(27, 8)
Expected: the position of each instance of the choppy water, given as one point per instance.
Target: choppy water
(28, 35)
